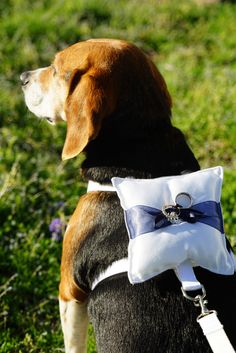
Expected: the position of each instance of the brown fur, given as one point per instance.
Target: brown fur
(77, 230)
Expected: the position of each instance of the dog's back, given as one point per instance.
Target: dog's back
(151, 317)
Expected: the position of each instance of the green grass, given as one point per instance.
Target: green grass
(194, 47)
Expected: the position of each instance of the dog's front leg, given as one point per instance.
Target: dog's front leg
(74, 321)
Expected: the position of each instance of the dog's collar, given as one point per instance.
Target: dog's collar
(94, 186)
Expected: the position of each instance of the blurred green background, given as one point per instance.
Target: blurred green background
(193, 44)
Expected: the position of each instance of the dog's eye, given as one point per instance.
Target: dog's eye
(54, 71)
(67, 75)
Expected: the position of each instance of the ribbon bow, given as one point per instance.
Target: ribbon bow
(144, 219)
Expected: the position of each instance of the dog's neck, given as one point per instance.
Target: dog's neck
(151, 157)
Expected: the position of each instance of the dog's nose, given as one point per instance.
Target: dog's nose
(24, 78)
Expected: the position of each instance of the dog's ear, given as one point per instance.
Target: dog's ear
(91, 98)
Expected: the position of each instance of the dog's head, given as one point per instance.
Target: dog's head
(87, 82)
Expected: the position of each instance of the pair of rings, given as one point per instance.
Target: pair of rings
(172, 212)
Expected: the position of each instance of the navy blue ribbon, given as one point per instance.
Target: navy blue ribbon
(144, 219)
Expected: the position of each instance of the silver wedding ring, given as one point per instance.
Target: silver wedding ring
(183, 199)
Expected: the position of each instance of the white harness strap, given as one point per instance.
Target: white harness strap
(94, 186)
(184, 273)
(208, 320)
(187, 277)
(115, 268)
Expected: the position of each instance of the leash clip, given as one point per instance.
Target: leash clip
(199, 301)
(204, 310)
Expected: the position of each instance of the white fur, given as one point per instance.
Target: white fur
(74, 321)
(45, 102)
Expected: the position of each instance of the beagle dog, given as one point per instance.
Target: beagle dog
(118, 113)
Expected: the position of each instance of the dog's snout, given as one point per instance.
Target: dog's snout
(24, 78)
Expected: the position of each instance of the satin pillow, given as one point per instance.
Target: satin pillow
(174, 219)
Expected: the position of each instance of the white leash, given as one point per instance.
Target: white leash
(208, 320)
(215, 334)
